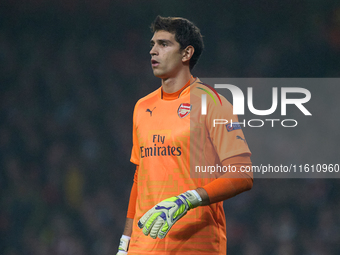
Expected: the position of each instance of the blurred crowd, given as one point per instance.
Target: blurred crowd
(69, 79)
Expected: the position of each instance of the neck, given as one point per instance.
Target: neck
(173, 84)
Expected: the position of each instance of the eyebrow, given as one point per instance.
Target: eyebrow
(160, 41)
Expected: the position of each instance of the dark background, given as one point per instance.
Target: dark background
(70, 74)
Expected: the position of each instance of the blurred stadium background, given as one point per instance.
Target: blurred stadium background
(70, 74)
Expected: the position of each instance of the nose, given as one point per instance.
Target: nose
(153, 50)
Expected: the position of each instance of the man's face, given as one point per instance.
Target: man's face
(166, 57)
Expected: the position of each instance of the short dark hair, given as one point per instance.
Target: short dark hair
(186, 33)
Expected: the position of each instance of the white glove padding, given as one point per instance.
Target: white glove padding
(159, 219)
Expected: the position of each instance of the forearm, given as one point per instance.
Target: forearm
(224, 188)
(128, 227)
(228, 185)
(125, 239)
(132, 207)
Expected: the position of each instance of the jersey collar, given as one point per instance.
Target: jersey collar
(180, 93)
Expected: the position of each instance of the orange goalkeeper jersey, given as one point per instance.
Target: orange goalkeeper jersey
(170, 139)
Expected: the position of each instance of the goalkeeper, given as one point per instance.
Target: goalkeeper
(169, 212)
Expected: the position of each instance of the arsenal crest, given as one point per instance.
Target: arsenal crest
(184, 110)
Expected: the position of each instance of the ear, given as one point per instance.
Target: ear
(187, 53)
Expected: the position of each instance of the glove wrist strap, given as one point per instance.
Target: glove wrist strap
(197, 195)
(124, 243)
(193, 198)
(126, 237)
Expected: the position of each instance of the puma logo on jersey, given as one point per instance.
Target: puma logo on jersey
(239, 137)
(150, 111)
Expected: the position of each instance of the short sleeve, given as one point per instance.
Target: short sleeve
(225, 131)
(135, 146)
